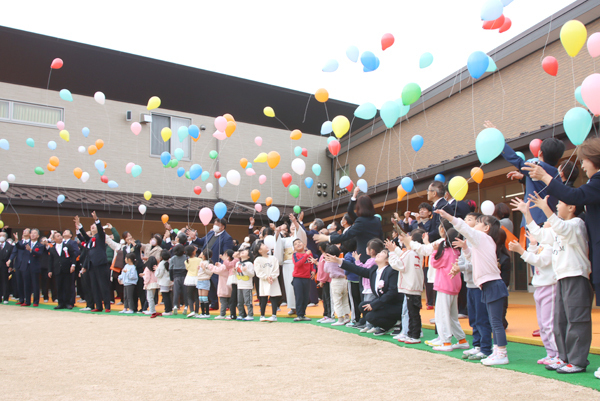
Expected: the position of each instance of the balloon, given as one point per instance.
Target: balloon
(234, 177)
(286, 179)
(195, 171)
(316, 168)
(401, 192)
(153, 103)
(345, 181)
(489, 145)
(255, 194)
(99, 97)
(298, 166)
(213, 154)
(194, 131)
(65, 94)
(64, 134)
(262, 179)
(99, 164)
(128, 167)
(166, 133)
(104, 179)
(228, 117)
(147, 195)
(506, 2)
(85, 176)
(209, 187)
(297, 209)
(578, 96)
(269, 112)
(204, 176)
(491, 10)
(590, 92)
(85, 131)
(99, 143)
(308, 181)
(365, 111)
(11, 178)
(273, 213)
(230, 129)
(243, 162)
(477, 174)
(164, 218)
(258, 141)
(495, 24)
(56, 64)
(113, 184)
(491, 66)
(273, 159)
(334, 147)
(322, 95)
(550, 65)
(327, 128)
(297, 151)
(521, 155)
(340, 125)
(217, 175)
(362, 185)
(30, 142)
(573, 35)
(1, 207)
(81, 149)
(411, 93)
(165, 158)
(178, 153)
(270, 242)
(220, 124)
(173, 163)
(250, 172)
(50, 167)
(506, 26)
(478, 63)
(387, 40)
(92, 149)
(258, 207)
(407, 184)
(136, 170)
(360, 170)
(180, 172)
(182, 133)
(330, 66)
(417, 142)
(4, 186)
(296, 134)
(488, 208)
(352, 53)
(440, 178)
(206, 215)
(51, 145)
(390, 112)
(77, 172)
(458, 188)
(60, 199)
(222, 181)
(593, 44)
(54, 161)
(220, 210)
(425, 60)
(142, 209)
(368, 60)
(577, 123)
(534, 147)
(294, 190)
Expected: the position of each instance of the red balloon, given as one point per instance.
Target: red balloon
(56, 64)
(534, 147)
(550, 65)
(286, 179)
(217, 175)
(104, 179)
(387, 40)
(334, 147)
(304, 152)
(350, 187)
(506, 26)
(495, 24)
(197, 190)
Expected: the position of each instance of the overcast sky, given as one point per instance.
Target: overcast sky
(284, 43)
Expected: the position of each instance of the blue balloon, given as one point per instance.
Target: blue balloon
(205, 175)
(489, 145)
(577, 123)
(85, 131)
(165, 158)
(491, 66)
(521, 155)
(326, 128)
(362, 185)
(178, 153)
(51, 145)
(506, 2)
(112, 184)
(298, 151)
(345, 181)
(136, 170)
(222, 181)
(360, 170)
(30, 142)
(477, 64)
(579, 97)
(352, 53)
(390, 113)
(425, 60)
(180, 172)
(308, 182)
(379, 217)
(273, 213)
(99, 164)
(368, 60)
(65, 94)
(366, 111)
(195, 171)
(492, 10)
(403, 109)
(220, 209)
(194, 131)
(4, 144)
(60, 199)
(249, 165)
(440, 178)
(417, 143)
(407, 184)
(376, 66)
(316, 169)
(331, 66)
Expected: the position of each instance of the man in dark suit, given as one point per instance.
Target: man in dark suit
(5, 251)
(62, 266)
(74, 247)
(19, 259)
(32, 269)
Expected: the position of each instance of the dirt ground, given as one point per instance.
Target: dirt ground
(75, 356)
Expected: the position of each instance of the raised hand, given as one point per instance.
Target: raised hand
(531, 239)
(252, 221)
(356, 192)
(536, 172)
(356, 255)
(488, 124)
(515, 175)
(514, 246)
(390, 245)
(76, 220)
(519, 205)
(94, 216)
(459, 243)
(425, 238)
(538, 201)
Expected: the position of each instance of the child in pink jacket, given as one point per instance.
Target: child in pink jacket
(151, 285)
(224, 270)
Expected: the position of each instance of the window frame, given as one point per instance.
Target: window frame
(171, 150)
(42, 125)
(345, 169)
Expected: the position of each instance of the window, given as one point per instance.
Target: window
(339, 173)
(157, 145)
(28, 113)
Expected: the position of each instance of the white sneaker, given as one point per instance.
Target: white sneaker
(291, 312)
(167, 314)
(249, 318)
(597, 373)
(445, 348)
(123, 311)
(372, 330)
(239, 318)
(45, 301)
(284, 304)
(147, 312)
(464, 345)
(339, 323)
(129, 312)
(310, 305)
(220, 317)
(477, 357)
(328, 320)
(469, 352)
(5, 302)
(262, 319)
(436, 342)
(191, 314)
(273, 318)
(412, 340)
(86, 309)
(495, 359)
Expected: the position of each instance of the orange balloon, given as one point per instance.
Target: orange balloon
(54, 161)
(243, 162)
(92, 149)
(99, 143)
(296, 134)
(228, 117)
(230, 129)
(50, 167)
(322, 95)
(196, 139)
(269, 201)
(164, 218)
(255, 194)
(401, 193)
(477, 174)
(273, 158)
(77, 173)
(104, 164)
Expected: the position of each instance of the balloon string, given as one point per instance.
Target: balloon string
(547, 37)
(14, 210)
(573, 71)
(473, 109)
(48, 86)
(286, 127)
(388, 171)
(379, 161)
(305, 109)
(326, 112)
(554, 109)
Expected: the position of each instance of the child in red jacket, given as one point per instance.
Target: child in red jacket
(304, 271)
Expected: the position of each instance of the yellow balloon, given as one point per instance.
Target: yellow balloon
(1, 207)
(458, 188)
(269, 112)
(341, 125)
(1, 224)
(147, 195)
(261, 158)
(296, 134)
(273, 159)
(64, 134)
(573, 36)
(166, 134)
(401, 192)
(153, 103)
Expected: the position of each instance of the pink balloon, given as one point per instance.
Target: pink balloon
(250, 172)
(136, 128)
(258, 207)
(205, 215)
(258, 140)
(593, 44)
(220, 135)
(128, 167)
(60, 125)
(590, 92)
(220, 123)
(262, 179)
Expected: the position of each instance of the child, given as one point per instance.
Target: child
(304, 272)
(151, 285)
(373, 248)
(129, 278)
(325, 284)
(573, 321)
(266, 268)
(192, 265)
(244, 271)
(339, 288)
(177, 273)
(544, 281)
(224, 271)
(164, 281)
(203, 283)
(348, 248)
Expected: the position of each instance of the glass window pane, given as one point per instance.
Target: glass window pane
(36, 114)
(157, 145)
(3, 109)
(176, 123)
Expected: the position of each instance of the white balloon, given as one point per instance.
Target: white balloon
(270, 241)
(142, 209)
(209, 187)
(298, 166)
(362, 185)
(81, 149)
(11, 178)
(4, 186)
(99, 97)
(488, 208)
(234, 177)
(85, 176)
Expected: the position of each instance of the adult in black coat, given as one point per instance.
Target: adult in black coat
(62, 267)
(32, 268)
(19, 259)
(5, 251)
(435, 194)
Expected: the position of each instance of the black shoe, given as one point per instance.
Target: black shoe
(69, 306)
(359, 326)
(380, 332)
(396, 332)
(59, 307)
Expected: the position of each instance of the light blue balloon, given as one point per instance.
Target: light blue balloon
(136, 170)
(113, 184)
(362, 185)
(390, 113)
(194, 131)
(506, 2)
(182, 133)
(99, 164)
(417, 143)
(316, 169)
(345, 181)
(326, 128)
(368, 60)
(165, 158)
(440, 178)
(30, 142)
(249, 165)
(521, 155)
(379, 217)
(478, 63)
(579, 97)
(403, 109)
(51, 145)
(273, 213)
(85, 131)
(376, 66)
(331, 138)
(492, 10)
(101, 171)
(220, 209)
(4, 144)
(331, 66)
(222, 181)
(65, 94)
(360, 170)
(425, 60)
(308, 181)
(366, 111)
(205, 175)
(489, 145)
(60, 199)
(298, 151)
(577, 123)
(407, 184)
(195, 171)
(178, 153)
(180, 172)
(352, 53)
(491, 66)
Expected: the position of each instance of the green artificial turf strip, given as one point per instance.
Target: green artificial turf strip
(523, 357)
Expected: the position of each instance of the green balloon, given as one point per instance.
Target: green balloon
(297, 209)
(187, 175)
(213, 154)
(294, 190)
(411, 93)
(39, 171)
(167, 165)
(176, 230)
(174, 163)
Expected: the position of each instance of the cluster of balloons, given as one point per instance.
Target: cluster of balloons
(225, 126)
(272, 159)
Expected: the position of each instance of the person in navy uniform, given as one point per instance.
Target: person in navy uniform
(62, 267)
